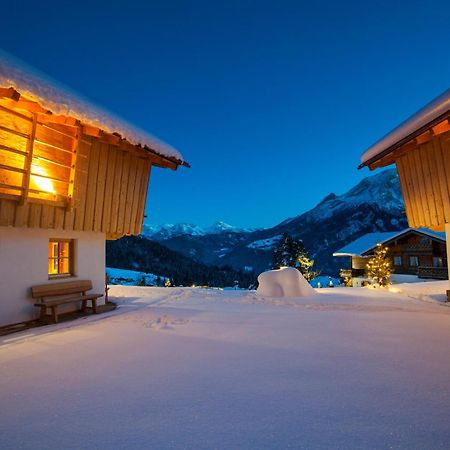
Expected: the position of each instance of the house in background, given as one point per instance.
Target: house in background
(414, 251)
(71, 176)
(420, 149)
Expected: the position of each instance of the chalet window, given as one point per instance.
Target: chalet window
(414, 261)
(397, 260)
(437, 261)
(60, 257)
(37, 158)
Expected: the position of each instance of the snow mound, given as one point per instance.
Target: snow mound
(61, 100)
(284, 282)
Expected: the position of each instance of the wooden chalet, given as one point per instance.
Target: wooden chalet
(420, 149)
(414, 251)
(71, 176)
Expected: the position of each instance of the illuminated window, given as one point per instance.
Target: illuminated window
(60, 255)
(397, 260)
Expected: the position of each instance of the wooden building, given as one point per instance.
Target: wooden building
(420, 149)
(414, 251)
(71, 176)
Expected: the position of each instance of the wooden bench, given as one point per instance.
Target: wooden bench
(52, 295)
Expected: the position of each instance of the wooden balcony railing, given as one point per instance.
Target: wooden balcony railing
(437, 273)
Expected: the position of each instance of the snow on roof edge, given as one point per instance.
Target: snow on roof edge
(61, 100)
(433, 110)
(366, 239)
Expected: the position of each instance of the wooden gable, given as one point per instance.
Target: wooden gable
(423, 166)
(56, 172)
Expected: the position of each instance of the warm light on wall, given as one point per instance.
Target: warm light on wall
(43, 184)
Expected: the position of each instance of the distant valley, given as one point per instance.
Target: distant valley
(374, 204)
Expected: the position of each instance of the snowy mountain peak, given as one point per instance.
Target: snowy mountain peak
(168, 231)
(382, 188)
(220, 227)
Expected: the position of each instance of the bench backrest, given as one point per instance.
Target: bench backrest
(67, 287)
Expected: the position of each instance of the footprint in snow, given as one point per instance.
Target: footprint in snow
(164, 323)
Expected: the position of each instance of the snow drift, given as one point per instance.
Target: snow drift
(284, 282)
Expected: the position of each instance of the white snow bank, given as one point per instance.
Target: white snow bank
(284, 282)
(428, 290)
(61, 100)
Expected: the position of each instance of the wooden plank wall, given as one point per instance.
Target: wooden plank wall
(109, 194)
(424, 174)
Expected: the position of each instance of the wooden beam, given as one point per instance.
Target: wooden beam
(89, 130)
(442, 127)
(72, 171)
(63, 120)
(28, 161)
(9, 93)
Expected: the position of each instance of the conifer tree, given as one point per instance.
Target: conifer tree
(379, 268)
(287, 252)
(305, 265)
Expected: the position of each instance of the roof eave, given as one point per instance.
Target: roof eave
(404, 141)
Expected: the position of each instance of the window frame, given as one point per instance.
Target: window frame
(439, 260)
(416, 258)
(70, 258)
(398, 258)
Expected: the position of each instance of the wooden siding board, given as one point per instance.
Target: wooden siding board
(130, 193)
(410, 213)
(443, 144)
(91, 187)
(34, 218)
(100, 187)
(123, 193)
(417, 188)
(442, 179)
(142, 198)
(412, 191)
(418, 167)
(47, 216)
(21, 216)
(116, 191)
(136, 194)
(106, 219)
(59, 218)
(76, 216)
(428, 185)
(434, 178)
(7, 212)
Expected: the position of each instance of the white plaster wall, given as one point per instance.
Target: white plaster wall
(24, 263)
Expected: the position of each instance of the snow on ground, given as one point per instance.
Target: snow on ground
(427, 290)
(185, 368)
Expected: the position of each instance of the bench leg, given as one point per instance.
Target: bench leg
(94, 305)
(54, 314)
(43, 313)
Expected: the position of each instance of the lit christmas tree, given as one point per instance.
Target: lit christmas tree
(379, 268)
(305, 265)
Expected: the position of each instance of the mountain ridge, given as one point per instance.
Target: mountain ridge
(373, 204)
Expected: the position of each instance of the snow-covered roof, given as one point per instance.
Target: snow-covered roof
(369, 241)
(60, 100)
(431, 114)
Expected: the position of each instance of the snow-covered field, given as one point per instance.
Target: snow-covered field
(132, 277)
(181, 368)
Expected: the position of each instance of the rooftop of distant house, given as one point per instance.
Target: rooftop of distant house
(363, 245)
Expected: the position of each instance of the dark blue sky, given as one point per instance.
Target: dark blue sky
(271, 102)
